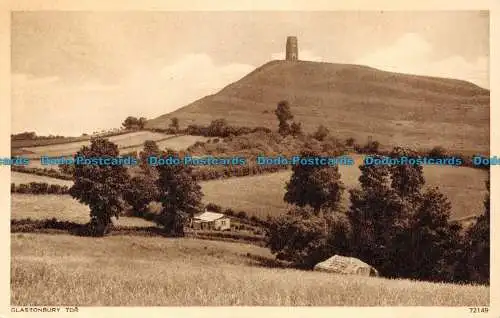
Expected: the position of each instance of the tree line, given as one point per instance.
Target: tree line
(39, 188)
(393, 222)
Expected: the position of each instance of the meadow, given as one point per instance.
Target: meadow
(61, 207)
(68, 149)
(262, 195)
(176, 143)
(127, 143)
(20, 177)
(139, 271)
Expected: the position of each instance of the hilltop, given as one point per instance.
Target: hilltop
(352, 101)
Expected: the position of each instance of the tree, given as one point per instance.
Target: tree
(407, 180)
(141, 191)
(151, 149)
(180, 195)
(130, 122)
(100, 186)
(134, 123)
(349, 142)
(174, 124)
(314, 185)
(321, 133)
(372, 216)
(296, 129)
(428, 250)
(141, 122)
(284, 114)
(299, 237)
(283, 111)
(478, 244)
(400, 228)
(218, 127)
(437, 152)
(284, 128)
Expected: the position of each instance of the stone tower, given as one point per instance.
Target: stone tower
(292, 49)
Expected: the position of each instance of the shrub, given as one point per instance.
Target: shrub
(350, 142)
(298, 237)
(214, 207)
(242, 215)
(39, 188)
(438, 152)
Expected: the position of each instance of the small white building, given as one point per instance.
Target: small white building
(211, 221)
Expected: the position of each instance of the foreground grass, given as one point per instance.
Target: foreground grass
(137, 271)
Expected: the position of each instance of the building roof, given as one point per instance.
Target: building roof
(209, 216)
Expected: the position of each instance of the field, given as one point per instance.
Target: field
(126, 143)
(137, 271)
(19, 177)
(23, 143)
(67, 149)
(61, 207)
(176, 143)
(263, 195)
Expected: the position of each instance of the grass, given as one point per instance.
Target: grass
(68, 149)
(137, 271)
(61, 207)
(23, 143)
(263, 195)
(127, 143)
(176, 143)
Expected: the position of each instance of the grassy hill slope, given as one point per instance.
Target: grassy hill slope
(139, 271)
(352, 101)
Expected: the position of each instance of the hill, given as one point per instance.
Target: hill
(352, 101)
(145, 271)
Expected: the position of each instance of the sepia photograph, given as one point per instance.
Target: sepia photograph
(249, 158)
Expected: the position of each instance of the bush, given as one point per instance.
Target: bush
(299, 237)
(39, 188)
(242, 215)
(350, 142)
(214, 207)
(437, 152)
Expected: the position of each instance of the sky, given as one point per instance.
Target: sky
(80, 72)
